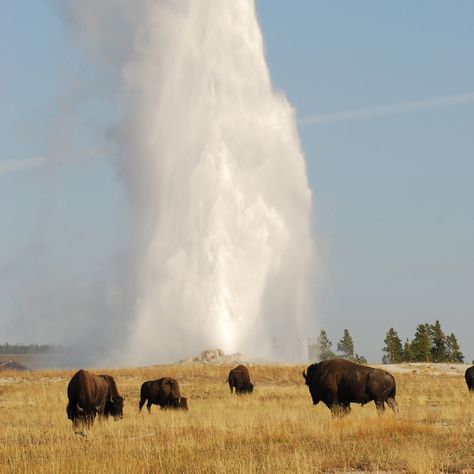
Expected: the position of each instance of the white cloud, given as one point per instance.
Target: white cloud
(51, 161)
(415, 106)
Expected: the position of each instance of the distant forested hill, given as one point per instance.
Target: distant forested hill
(28, 348)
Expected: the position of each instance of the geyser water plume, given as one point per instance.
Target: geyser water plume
(217, 180)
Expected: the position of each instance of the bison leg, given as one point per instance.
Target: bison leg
(87, 418)
(148, 406)
(142, 402)
(339, 410)
(231, 387)
(393, 405)
(91, 416)
(380, 406)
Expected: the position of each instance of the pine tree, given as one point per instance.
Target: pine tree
(360, 359)
(421, 344)
(453, 350)
(407, 352)
(324, 346)
(393, 351)
(346, 346)
(438, 343)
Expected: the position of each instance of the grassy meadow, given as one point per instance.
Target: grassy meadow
(275, 429)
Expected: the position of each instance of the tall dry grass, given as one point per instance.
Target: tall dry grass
(275, 429)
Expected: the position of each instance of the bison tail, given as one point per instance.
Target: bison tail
(391, 402)
(393, 391)
(390, 389)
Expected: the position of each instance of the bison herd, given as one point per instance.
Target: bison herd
(336, 382)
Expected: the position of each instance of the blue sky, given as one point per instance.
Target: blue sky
(392, 189)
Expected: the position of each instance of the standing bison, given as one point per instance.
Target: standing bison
(90, 395)
(339, 382)
(239, 378)
(163, 392)
(469, 376)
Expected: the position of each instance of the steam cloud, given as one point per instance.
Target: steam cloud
(220, 205)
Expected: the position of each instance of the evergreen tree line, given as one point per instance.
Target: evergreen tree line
(321, 349)
(27, 348)
(430, 344)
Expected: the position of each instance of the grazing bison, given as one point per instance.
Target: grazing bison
(339, 382)
(239, 378)
(469, 376)
(90, 395)
(163, 392)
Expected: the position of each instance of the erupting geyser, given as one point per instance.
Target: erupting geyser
(218, 187)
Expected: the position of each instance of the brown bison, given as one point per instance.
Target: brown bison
(469, 376)
(163, 392)
(339, 382)
(90, 395)
(239, 378)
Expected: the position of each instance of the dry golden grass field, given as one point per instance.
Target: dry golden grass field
(275, 429)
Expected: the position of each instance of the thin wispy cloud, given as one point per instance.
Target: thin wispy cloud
(384, 110)
(16, 166)
(51, 161)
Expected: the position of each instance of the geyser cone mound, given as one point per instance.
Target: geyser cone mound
(219, 189)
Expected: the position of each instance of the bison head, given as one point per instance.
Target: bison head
(305, 377)
(115, 407)
(183, 403)
(310, 373)
(71, 412)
